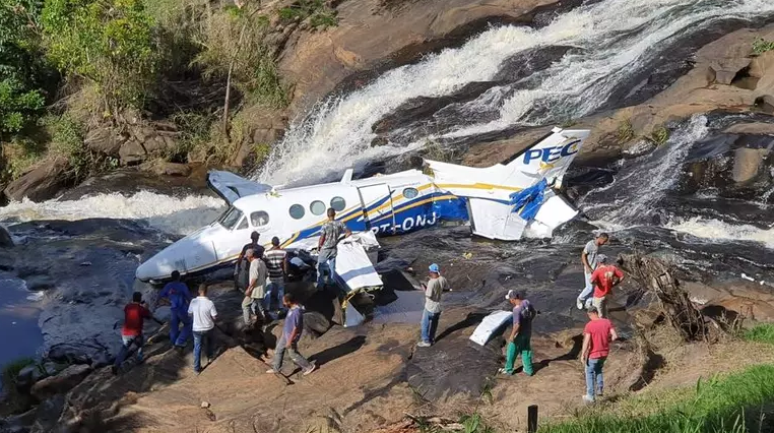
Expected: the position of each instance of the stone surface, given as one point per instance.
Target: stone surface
(5, 238)
(41, 183)
(104, 141)
(163, 168)
(747, 163)
(726, 70)
(62, 382)
(132, 152)
(367, 37)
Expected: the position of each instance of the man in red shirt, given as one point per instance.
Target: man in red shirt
(604, 278)
(597, 335)
(135, 314)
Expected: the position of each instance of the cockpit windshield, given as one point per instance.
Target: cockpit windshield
(230, 218)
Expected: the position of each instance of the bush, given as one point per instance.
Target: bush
(12, 369)
(66, 136)
(625, 131)
(761, 46)
(659, 136)
(110, 42)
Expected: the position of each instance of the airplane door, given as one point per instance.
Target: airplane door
(377, 208)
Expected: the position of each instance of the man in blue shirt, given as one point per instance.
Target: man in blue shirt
(291, 333)
(178, 296)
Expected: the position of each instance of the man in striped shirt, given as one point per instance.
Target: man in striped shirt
(277, 263)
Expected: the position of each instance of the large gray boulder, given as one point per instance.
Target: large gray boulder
(43, 182)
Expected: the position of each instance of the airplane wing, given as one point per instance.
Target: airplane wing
(231, 187)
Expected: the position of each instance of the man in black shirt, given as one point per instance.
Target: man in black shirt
(240, 278)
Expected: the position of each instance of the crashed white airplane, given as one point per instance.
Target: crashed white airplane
(502, 202)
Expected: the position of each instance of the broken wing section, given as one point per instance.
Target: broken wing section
(231, 187)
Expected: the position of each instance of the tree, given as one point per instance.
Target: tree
(24, 74)
(110, 42)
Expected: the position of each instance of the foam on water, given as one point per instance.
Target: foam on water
(615, 37)
(719, 231)
(168, 214)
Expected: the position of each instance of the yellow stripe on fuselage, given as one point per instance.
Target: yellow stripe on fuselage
(479, 185)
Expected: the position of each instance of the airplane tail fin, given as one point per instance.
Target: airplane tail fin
(551, 155)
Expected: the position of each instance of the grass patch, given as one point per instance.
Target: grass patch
(625, 131)
(659, 136)
(763, 333)
(11, 371)
(735, 403)
(761, 46)
(319, 14)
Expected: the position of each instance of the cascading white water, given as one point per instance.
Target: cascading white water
(179, 216)
(632, 197)
(615, 37)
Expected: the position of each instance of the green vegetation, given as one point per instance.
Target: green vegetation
(70, 65)
(763, 333)
(761, 46)
(319, 14)
(11, 371)
(108, 42)
(625, 131)
(731, 404)
(659, 136)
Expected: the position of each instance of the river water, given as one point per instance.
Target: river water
(714, 228)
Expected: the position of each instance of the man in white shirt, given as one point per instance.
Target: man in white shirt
(204, 314)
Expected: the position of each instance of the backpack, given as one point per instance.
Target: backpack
(529, 313)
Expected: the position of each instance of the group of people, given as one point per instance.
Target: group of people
(600, 279)
(268, 271)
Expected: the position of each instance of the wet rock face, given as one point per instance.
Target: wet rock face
(5, 238)
(41, 183)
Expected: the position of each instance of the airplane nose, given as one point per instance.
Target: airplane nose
(147, 271)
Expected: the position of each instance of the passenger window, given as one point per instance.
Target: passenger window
(297, 211)
(242, 225)
(338, 204)
(259, 219)
(410, 192)
(317, 207)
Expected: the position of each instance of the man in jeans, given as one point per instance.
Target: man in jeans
(519, 341)
(135, 314)
(178, 295)
(596, 346)
(589, 260)
(328, 248)
(277, 265)
(204, 314)
(291, 333)
(435, 286)
(604, 278)
(254, 295)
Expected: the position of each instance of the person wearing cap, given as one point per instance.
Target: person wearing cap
(589, 261)
(604, 278)
(242, 262)
(519, 342)
(597, 335)
(277, 264)
(436, 285)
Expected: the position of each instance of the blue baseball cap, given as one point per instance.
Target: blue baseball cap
(435, 268)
